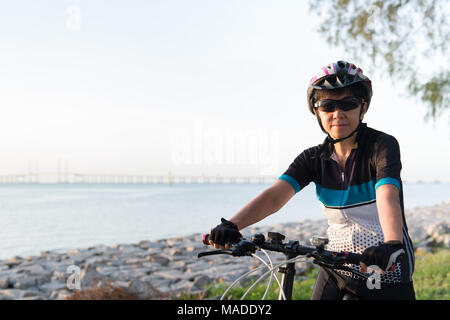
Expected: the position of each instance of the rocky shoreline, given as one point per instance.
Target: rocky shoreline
(163, 268)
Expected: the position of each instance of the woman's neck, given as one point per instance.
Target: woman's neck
(344, 148)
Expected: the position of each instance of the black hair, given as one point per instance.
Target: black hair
(357, 89)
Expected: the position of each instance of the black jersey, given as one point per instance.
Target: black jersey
(348, 197)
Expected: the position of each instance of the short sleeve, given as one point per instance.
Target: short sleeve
(299, 173)
(387, 162)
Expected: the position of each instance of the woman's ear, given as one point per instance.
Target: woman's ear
(364, 110)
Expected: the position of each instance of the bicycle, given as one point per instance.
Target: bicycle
(292, 250)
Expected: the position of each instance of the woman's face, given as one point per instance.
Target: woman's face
(340, 124)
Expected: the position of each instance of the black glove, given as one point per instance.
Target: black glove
(226, 232)
(384, 255)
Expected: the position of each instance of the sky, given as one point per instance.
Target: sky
(182, 87)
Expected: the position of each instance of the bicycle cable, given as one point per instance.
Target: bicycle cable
(272, 275)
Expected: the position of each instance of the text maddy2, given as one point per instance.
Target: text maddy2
(230, 309)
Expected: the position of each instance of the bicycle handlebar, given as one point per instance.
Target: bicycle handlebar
(247, 247)
(291, 249)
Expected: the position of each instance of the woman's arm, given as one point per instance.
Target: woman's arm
(389, 212)
(269, 201)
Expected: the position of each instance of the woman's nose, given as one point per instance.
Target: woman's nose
(338, 113)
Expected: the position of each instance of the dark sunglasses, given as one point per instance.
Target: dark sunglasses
(346, 104)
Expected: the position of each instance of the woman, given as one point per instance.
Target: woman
(356, 171)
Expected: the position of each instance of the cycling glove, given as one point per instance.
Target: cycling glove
(226, 232)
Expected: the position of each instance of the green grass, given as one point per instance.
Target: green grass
(302, 289)
(431, 282)
(432, 275)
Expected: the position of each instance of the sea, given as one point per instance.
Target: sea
(58, 217)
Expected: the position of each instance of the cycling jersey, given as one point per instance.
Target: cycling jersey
(348, 197)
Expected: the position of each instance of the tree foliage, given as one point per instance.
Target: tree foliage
(404, 39)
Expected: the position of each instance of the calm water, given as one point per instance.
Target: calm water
(36, 218)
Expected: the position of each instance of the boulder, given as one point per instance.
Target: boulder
(89, 276)
(202, 281)
(4, 282)
(25, 283)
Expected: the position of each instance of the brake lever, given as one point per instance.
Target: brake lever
(244, 248)
(210, 253)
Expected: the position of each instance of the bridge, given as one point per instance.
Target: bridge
(83, 178)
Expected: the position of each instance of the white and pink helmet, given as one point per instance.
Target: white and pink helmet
(336, 75)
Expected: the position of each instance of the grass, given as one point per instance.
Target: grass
(302, 289)
(431, 282)
(432, 275)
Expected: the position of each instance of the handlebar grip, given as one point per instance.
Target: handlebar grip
(353, 258)
(205, 239)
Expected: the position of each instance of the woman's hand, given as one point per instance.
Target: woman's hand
(223, 234)
(385, 255)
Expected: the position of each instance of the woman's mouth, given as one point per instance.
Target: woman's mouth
(339, 125)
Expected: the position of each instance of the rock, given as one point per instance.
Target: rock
(435, 230)
(179, 265)
(425, 246)
(156, 281)
(97, 260)
(121, 284)
(4, 282)
(302, 267)
(13, 262)
(174, 251)
(61, 295)
(443, 240)
(34, 297)
(59, 275)
(53, 286)
(129, 248)
(25, 283)
(145, 244)
(190, 248)
(89, 276)
(106, 270)
(141, 288)
(11, 294)
(202, 281)
(197, 266)
(173, 275)
(133, 261)
(163, 261)
(183, 285)
(177, 242)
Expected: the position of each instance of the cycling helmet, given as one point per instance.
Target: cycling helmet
(336, 75)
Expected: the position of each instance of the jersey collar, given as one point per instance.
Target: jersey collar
(326, 148)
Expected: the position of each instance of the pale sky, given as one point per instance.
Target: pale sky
(186, 87)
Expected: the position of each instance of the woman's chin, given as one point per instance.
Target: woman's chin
(339, 133)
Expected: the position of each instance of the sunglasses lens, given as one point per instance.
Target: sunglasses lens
(327, 105)
(344, 104)
(349, 104)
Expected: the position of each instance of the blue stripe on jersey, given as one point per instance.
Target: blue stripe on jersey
(393, 181)
(353, 195)
(291, 181)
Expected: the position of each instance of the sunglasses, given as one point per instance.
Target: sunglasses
(346, 104)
